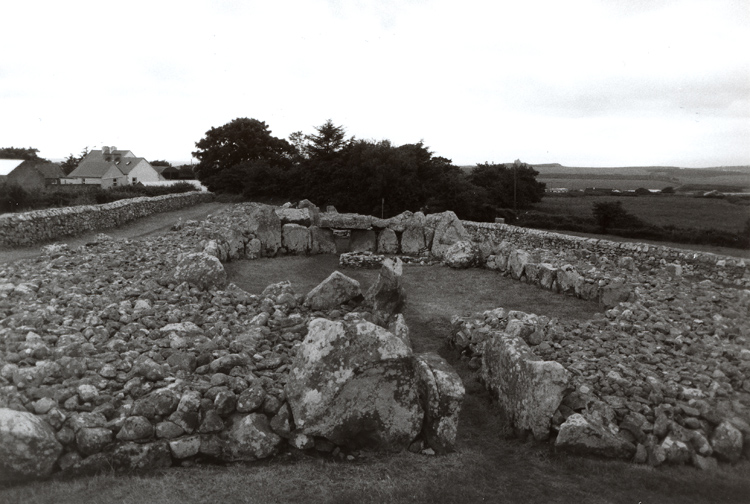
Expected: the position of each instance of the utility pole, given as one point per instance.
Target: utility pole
(515, 185)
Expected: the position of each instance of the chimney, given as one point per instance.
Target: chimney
(105, 150)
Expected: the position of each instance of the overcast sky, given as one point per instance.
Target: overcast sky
(578, 82)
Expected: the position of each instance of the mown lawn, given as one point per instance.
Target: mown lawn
(489, 466)
(661, 210)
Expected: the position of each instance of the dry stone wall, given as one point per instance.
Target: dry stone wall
(28, 228)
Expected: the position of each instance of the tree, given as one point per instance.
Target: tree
(223, 150)
(329, 140)
(26, 154)
(611, 214)
(72, 162)
(508, 186)
(160, 162)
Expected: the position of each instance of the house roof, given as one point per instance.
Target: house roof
(8, 165)
(47, 169)
(126, 165)
(92, 169)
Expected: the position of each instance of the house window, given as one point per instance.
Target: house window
(135, 180)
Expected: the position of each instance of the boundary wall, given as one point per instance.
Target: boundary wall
(28, 228)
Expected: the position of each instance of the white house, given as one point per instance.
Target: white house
(108, 166)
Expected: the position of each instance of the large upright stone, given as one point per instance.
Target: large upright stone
(332, 292)
(529, 389)
(354, 384)
(200, 269)
(312, 209)
(387, 242)
(517, 261)
(299, 216)
(28, 447)
(448, 230)
(386, 294)
(250, 438)
(322, 241)
(413, 240)
(263, 223)
(295, 239)
(441, 392)
(462, 255)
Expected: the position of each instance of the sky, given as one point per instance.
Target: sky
(579, 82)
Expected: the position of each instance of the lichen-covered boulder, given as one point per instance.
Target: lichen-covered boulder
(441, 393)
(300, 216)
(582, 436)
(387, 242)
(568, 278)
(322, 241)
(448, 230)
(312, 209)
(462, 254)
(142, 457)
(250, 438)
(413, 239)
(517, 261)
(345, 221)
(200, 269)
(332, 292)
(615, 292)
(386, 294)
(354, 384)
(726, 441)
(529, 389)
(295, 239)
(28, 447)
(261, 222)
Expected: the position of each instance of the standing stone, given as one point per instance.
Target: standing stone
(441, 393)
(399, 329)
(448, 230)
(322, 241)
(313, 209)
(332, 292)
(300, 216)
(263, 223)
(568, 278)
(387, 242)
(200, 269)
(295, 239)
(517, 261)
(615, 292)
(413, 241)
(529, 389)
(386, 294)
(28, 448)
(363, 240)
(353, 383)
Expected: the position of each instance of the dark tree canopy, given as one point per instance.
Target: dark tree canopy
(160, 162)
(224, 149)
(25, 153)
(328, 141)
(72, 161)
(508, 186)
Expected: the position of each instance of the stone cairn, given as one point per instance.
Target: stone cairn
(138, 355)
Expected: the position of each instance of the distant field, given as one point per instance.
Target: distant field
(680, 211)
(600, 182)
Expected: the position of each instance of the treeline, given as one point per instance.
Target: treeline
(355, 175)
(611, 218)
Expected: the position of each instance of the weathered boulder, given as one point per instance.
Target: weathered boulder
(363, 240)
(413, 240)
(579, 435)
(399, 222)
(441, 393)
(387, 242)
(28, 447)
(345, 221)
(354, 384)
(568, 278)
(462, 254)
(726, 441)
(386, 295)
(496, 262)
(517, 261)
(295, 239)
(142, 457)
(615, 292)
(448, 230)
(322, 241)
(399, 329)
(332, 292)
(312, 209)
(300, 216)
(200, 269)
(262, 223)
(529, 388)
(547, 276)
(250, 438)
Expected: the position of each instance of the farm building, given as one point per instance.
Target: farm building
(7, 166)
(108, 166)
(36, 174)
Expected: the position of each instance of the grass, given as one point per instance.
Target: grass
(620, 184)
(489, 466)
(661, 210)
